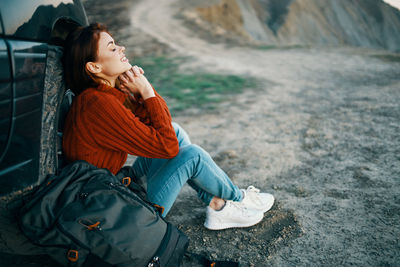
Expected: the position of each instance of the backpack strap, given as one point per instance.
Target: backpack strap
(211, 263)
(172, 248)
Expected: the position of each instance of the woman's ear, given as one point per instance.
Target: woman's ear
(93, 67)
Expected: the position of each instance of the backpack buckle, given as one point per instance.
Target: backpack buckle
(72, 255)
(126, 181)
(159, 208)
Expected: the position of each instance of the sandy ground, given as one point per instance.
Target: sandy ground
(322, 133)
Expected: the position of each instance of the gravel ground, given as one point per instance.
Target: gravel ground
(322, 135)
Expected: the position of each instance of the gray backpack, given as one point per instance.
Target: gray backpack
(86, 216)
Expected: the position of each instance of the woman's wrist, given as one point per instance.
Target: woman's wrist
(147, 92)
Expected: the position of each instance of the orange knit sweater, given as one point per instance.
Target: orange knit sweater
(104, 125)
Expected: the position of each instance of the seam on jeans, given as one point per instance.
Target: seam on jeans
(202, 194)
(169, 181)
(215, 174)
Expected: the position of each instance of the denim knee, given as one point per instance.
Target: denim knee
(193, 151)
(181, 135)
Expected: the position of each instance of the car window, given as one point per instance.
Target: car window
(33, 20)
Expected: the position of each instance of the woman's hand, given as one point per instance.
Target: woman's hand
(134, 81)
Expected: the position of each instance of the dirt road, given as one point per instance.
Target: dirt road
(322, 135)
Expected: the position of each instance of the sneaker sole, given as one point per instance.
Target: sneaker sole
(222, 226)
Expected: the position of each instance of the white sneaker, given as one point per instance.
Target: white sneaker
(253, 199)
(232, 215)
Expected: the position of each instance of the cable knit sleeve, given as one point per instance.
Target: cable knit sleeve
(117, 128)
(138, 108)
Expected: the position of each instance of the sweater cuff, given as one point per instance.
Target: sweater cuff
(156, 110)
(151, 101)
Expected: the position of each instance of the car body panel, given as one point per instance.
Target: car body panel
(27, 30)
(19, 166)
(5, 97)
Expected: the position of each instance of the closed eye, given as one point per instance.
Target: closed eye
(112, 43)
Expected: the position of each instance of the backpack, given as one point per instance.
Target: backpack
(86, 216)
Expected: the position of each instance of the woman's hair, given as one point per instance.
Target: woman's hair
(81, 46)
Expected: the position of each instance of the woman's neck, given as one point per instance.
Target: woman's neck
(109, 81)
(112, 83)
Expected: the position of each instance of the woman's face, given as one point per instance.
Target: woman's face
(111, 58)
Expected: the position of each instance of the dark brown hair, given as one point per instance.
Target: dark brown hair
(81, 46)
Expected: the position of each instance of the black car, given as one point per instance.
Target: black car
(31, 95)
(30, 34)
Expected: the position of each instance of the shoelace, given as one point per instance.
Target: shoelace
(252, 192)
(239, 206)
(253, 189)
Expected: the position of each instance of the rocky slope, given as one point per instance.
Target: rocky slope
(365, 23)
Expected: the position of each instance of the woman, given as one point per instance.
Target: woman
(117, 112)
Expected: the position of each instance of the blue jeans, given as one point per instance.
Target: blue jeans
(166, 177)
